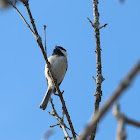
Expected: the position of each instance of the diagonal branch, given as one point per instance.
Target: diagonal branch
(91, 23)
(119, 91)
(132, 122)
(39, 41)
(60, 120)
(103, 26)
(22, 18)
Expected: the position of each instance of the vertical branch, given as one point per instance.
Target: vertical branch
(121, 134)
(99, 78)
(98, 56)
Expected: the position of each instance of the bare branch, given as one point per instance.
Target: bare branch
(94, 79)
(60, 120)
(91, 23)
(22, 17)
(55, 124)
(103, 26)
(122, 121)
(121, 134)
(132, 122)
(119, 91)
(99, 77)
(94, 26)
(39, 41)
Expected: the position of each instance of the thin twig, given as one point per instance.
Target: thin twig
(39, 41)
(103, 26)
(22, 18)
(93, 25)
(94, 79)
(122, 87)
(54, 124)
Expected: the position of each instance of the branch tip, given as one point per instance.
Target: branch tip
(103, 26)
(94, 79)
(93, 25)
(45, 26)
(62, 92)
(54, 125)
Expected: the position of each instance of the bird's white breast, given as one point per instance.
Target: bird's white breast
(58, 66)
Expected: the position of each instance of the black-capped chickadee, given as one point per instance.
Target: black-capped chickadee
(59, 65)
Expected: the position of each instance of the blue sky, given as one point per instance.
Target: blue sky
(22, 79)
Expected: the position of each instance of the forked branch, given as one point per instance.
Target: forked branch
(60, 120)
(119, 91)
(122, 121)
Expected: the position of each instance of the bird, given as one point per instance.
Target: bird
(59, 65)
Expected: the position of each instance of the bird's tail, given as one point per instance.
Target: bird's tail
(45, 101)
